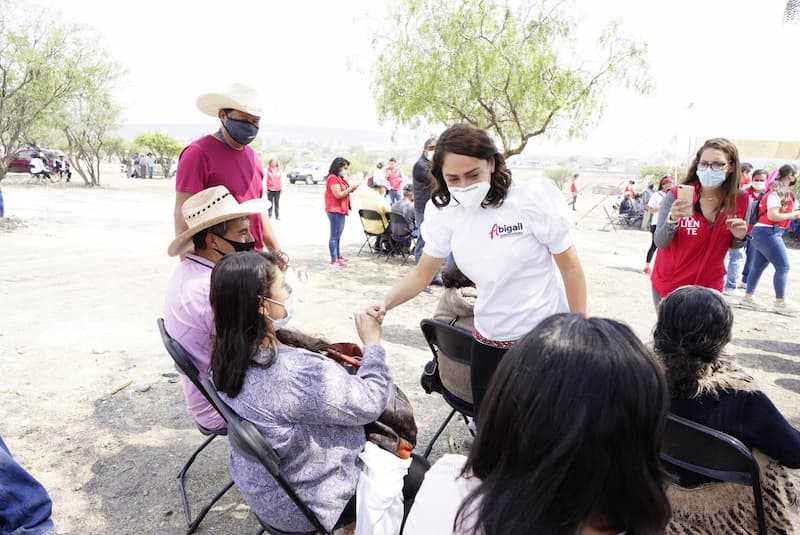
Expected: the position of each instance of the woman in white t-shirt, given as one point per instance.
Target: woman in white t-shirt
(509, 238)
(568, 445)
(653, 205)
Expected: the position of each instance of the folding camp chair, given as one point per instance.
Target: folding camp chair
(449, 342)
(186, 367)
(373, 239)
(245, 437)
(711, 453)
(399, 239)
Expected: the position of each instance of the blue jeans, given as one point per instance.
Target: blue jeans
(734, 267)
(25, 507)
(420, 242)
(337, 227)
(768, 248)
(394, 195)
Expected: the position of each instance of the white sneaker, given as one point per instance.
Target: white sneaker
(785, 309)
(751, 304)
(742, 285)
(731, 292)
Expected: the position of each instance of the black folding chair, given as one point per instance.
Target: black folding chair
(245, 437)
(186, 367)
(711, 453)
(401, 235)
(450, 342)
(373, 239)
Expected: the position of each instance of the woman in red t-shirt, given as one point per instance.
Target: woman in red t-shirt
(775, 214)
(337, 205)
(274, 187)
(692, 247)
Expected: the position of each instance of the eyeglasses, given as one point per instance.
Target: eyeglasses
(716, 166)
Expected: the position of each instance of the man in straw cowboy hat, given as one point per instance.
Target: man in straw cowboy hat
(216, 225)
(224, 158)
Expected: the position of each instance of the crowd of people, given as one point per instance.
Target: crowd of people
(570, 410)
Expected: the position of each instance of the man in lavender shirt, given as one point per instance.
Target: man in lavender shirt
(217, 225)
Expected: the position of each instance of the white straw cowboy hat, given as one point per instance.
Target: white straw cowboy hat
(207, 208)
(236, 97)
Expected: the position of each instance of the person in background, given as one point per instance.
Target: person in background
(394, 175)
(151, 164)
(513, 239)
(375, 199)
(626, 207)
(776, 211)
(274, 187)
(735, 254)
(337, 206)
(573, 189)
(568, 444)
(25, 507)
(405, 208)
(706, 386)
(692, 247)
(422, 194)
(653, 206)
(755, 191)
(378, 174)
(226, 159)
(629, 189)
(38, 168)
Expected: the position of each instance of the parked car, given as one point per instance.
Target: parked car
(22, 159)
(308, 172)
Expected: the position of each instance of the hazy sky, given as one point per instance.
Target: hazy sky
(721, 67)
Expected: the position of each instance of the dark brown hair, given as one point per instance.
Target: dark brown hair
(731, 185)
(469, 140)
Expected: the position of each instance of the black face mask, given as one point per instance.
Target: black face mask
(237, 245)
(242, 132)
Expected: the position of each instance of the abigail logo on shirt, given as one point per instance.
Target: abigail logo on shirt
(505, 231)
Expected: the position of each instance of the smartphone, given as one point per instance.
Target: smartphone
(686, 193)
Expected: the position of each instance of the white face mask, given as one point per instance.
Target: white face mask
(472, 195)
(342, 173)
(758, 186)
(288, 306)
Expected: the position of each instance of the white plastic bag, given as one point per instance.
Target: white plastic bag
(379, 493)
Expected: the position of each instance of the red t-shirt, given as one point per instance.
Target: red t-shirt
(273, 179)
(764, 218)
(573, 186)
(209, 162)
(332, 204)
(395, 178)
(696, 254)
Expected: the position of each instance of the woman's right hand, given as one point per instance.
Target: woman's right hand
(368, 328)
(377, 311)
(678, 210)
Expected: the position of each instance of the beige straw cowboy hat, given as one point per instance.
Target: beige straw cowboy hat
(236, 97)
(207, 208)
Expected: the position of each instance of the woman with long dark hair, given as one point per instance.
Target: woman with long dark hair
(776, 211)
(706, 386)
(307, 406)
(568, 444)
(513, 240)
(337, 206)
(694, 237)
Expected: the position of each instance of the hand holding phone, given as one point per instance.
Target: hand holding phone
(683, 205)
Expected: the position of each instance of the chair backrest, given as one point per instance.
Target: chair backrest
(453, 342)
(245, 438)
(183, 362)
(399, 226)
(371, 215)
(711, 453)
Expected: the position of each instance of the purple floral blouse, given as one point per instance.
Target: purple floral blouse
(312, 412)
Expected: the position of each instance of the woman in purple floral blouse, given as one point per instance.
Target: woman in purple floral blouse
(307, 406)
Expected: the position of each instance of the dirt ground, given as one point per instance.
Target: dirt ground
(82, 278)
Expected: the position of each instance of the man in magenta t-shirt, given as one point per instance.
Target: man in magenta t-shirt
(224, 158)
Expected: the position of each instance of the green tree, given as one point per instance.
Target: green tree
(559, 175)
(44, 68)
(654, 173)
(499, 66)
(85, 124)
(165, 149)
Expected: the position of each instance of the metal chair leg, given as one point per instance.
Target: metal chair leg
(438, 432)
(192, 525)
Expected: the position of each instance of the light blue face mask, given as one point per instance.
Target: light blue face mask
(711, 179)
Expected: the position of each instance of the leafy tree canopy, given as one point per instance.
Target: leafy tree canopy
(505, 67)
(166, 149)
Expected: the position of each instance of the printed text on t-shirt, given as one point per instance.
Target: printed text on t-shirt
(506, 231)
(691, 225)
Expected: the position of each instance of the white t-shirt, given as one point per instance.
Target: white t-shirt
(656, 200)
(773, 201)
(507, 251)
(439, 498)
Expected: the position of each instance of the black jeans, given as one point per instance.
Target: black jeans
(275, 198)
(653, 247)
(484, 361)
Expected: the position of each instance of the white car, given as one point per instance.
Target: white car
(308, 172)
